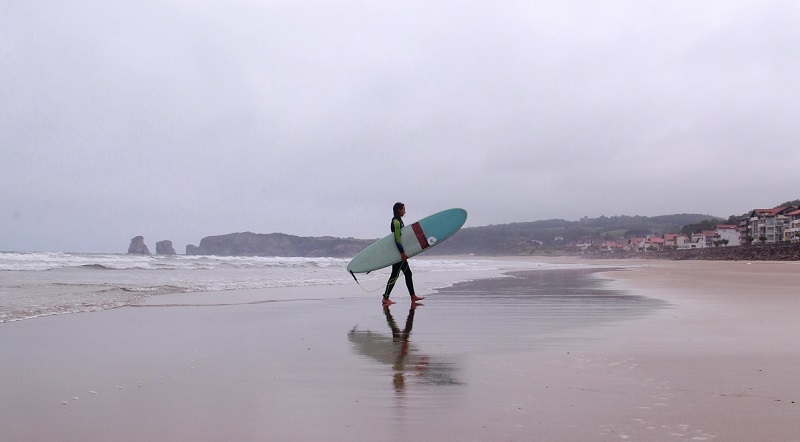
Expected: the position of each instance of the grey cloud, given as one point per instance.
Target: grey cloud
(181, 120)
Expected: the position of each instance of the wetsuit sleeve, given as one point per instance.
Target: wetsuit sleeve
(397, 235)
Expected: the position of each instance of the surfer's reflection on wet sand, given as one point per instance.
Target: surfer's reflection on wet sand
(400, 337)
(407, 362)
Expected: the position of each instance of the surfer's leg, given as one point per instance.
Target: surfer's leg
(410, 283)
(409, 280)
(392, 280)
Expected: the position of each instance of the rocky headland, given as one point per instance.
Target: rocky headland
(277, 244)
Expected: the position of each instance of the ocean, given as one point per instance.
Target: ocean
(36, 284)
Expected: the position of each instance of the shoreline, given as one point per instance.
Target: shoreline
(583, 359)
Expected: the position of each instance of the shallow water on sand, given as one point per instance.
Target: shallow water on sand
(520, 312)
(442, 360)
(479, 361)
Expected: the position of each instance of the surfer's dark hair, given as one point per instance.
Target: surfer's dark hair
(397, 207)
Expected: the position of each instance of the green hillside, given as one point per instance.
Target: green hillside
(540, 236)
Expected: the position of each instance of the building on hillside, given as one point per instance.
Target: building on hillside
(675, 240)
(792, 232)
(703, 239)
(697, 240)
(744, 228)
(767, 225)
(636, 244)
(654, 243)
(612, 246)
(728, 235)
(693, 242)
(709, 236)
(584, 244)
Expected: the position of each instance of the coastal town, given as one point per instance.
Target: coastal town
(759, 226)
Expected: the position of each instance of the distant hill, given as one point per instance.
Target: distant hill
(277, 244)
(530, 237)
(502, 239)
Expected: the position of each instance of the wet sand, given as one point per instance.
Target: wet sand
(722, 362)
(667, 351)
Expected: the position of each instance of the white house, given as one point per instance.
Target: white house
(729, 232)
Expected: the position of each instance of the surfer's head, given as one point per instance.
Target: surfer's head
(398, 207)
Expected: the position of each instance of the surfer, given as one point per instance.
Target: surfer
(399, 210)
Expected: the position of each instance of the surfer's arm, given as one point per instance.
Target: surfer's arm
(397, 236)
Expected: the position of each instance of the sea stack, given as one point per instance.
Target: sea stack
(165, 248)
(138, 247)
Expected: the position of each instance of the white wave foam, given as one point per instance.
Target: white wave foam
(48, 283)
(43, 261)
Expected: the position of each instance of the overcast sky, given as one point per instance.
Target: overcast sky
(183, 119)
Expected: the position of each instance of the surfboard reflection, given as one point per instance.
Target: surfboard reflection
(408, 363)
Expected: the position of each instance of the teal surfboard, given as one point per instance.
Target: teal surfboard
(416, 238)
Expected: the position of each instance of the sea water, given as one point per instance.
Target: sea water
(35, 284)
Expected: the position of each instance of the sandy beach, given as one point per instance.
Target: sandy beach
(654, 351)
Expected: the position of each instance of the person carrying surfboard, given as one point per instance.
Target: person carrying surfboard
(399, 210)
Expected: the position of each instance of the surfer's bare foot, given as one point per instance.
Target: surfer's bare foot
(387, 302)
(415, 298)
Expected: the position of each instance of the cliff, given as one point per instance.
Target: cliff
(277, 244)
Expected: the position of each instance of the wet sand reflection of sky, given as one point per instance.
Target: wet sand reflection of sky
(527, 311)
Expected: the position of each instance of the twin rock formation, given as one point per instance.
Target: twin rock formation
(138, 247)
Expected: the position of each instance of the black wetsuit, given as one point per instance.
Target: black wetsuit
(397, 224)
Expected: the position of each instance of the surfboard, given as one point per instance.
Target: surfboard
(416, 238)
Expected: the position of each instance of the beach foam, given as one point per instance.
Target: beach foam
(47, 283)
